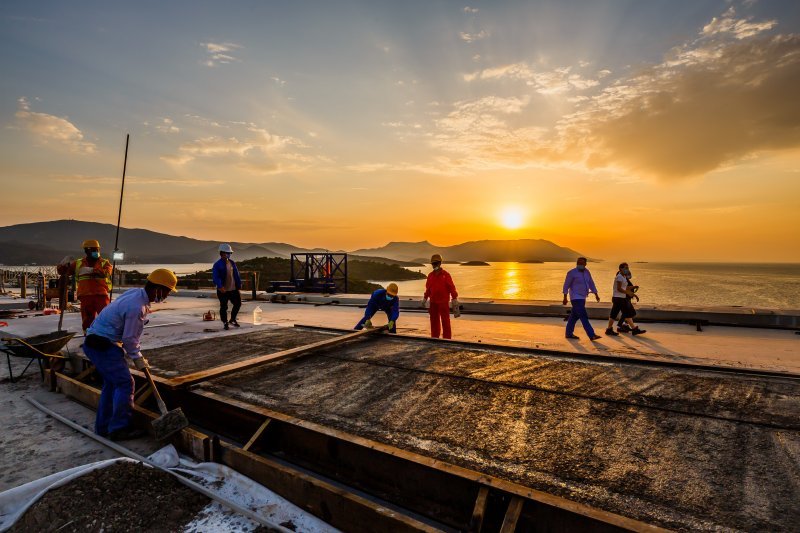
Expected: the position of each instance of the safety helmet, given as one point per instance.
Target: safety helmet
(391, 289)
(165, 278)
(226, 248)
(436, 258)
(90, 243)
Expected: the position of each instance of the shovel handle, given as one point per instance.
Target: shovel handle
(161, 405)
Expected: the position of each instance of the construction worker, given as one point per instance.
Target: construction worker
(228, 284)
(92, 278)
(114, 335)
(439, 289)
(385, 300)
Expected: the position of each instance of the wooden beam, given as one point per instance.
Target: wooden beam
(257, 434)
(512, 515)
(476, 522)
(144, 395)
(224, 370)
(85, 373)
(516, 489)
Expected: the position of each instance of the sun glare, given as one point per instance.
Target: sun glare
(511, 218)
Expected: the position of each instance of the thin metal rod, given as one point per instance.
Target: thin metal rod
(119, 215)
(133, 455)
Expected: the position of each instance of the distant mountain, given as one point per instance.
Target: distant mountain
(48, 242)
(489, 250)
(405, 251)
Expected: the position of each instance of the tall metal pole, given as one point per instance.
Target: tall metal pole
(119, 215)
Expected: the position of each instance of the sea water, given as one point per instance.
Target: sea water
(775, 286)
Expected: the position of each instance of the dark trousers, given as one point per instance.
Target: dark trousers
(369, 313)
(116, 397)
(235, 298)
(579, 313)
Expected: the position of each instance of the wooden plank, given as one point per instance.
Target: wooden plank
(85, 373)
(512, 515)
(484, 479)
(257, 434)
(335, 505)
(148, 391)
(476, 522)
(224, 370)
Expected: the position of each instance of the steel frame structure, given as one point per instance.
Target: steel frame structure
(319, 272)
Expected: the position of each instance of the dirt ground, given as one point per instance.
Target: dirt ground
(124, 497)
(685, 450)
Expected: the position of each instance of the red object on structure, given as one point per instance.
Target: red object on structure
(3, 324)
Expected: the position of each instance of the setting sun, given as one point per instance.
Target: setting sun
(511, 218)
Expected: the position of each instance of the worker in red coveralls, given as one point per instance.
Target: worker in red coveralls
(92, 278)
(439, 289)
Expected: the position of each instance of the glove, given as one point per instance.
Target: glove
(141, 363)
(426, 303)
(391, 325)
(456, 308)
(368, 324)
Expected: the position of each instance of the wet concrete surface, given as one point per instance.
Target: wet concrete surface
(193, 356)
(682, 449)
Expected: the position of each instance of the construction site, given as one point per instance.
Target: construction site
(509, 427)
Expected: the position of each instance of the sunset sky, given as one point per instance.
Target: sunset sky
(650, 130)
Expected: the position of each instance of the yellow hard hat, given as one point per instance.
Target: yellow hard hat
(165, 278)
(90, 243)
(436, 258)
(391, 289)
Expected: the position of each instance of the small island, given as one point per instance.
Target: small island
(475, 264)
(534, 261)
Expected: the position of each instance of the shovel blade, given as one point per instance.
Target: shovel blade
(167, 425)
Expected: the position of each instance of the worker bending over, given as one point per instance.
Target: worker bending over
(439, 289)
(92, 278)
(228, 283)
(385, 300)
(114, 335)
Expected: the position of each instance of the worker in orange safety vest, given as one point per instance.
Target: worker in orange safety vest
(93, 279)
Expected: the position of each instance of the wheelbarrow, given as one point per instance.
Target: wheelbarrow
(35, 348)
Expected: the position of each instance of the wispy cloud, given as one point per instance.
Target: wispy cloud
(220, 53)
(164, 125)
(250, 148)
(472, 37)
(727, 95)
(50, 129)
(140, 180)
(739, 28)
(470, 10)
(556, 81)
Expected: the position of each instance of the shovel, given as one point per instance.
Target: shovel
(170, 422)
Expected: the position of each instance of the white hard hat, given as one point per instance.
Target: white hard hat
(225, 248)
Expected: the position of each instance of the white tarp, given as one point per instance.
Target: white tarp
(217, 478)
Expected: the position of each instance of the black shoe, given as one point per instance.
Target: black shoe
(595, 337)
(572, 337)
(611, 333)
(637, 331)
(225, 325)
(127, 433)
(624, 329)
(234, 323)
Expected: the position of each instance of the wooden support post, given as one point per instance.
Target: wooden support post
(257, 434)
(85, 373)
(144, 394)
(512, 515)
(255, 284)
(476, 522)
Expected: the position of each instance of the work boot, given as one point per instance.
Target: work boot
(225, 325)
(624, 329)
(234, 323)
(595, 337)
(127, 433)
(637, 331)
(611, 333)
(572, 337)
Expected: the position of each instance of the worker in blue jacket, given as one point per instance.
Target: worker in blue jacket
(228, 283)
(385, 300)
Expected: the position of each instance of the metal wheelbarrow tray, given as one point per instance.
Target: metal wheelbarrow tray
(35, 348)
